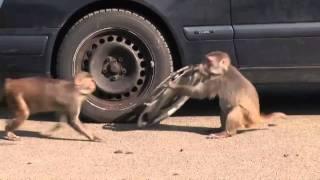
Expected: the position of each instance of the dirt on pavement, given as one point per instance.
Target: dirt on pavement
(175, 149)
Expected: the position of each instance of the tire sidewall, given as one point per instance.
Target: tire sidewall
(142, 28)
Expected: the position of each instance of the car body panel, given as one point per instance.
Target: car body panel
(277, 41)
(275, 11)
(271, 41)
(40, 17)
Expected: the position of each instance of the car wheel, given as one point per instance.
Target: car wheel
(164, 101)
(126, 55)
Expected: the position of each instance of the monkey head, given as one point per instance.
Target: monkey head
(215, 63)
(85, 83)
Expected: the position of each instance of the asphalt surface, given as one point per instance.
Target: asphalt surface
(175, 149)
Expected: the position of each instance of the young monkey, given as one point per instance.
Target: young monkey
(238, 98)
(26, 96)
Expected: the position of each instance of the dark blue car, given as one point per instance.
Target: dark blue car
(129, 46)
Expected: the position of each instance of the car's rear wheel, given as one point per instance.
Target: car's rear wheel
(126, 55)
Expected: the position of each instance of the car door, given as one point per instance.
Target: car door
(24, 36)
(277, 41)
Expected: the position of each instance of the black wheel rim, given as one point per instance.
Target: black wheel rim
(159, 113)
(120, 63)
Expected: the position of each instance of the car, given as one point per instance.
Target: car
(130, 46)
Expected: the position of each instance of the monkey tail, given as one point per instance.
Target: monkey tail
(275, 115)
(2, 87)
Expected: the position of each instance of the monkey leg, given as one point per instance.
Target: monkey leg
(76, 124)
(234, 120)
(223, 120)
(54, 128)
(21, 111)
(59, 125)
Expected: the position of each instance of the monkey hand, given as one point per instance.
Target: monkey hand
(220, 135)
(172, 85)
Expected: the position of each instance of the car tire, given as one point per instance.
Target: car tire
(140, 60)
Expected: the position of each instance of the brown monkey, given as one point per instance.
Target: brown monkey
(238, 98)
(26, 96)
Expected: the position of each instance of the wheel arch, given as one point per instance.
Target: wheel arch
(136, 7)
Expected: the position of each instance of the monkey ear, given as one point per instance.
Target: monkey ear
(210, 59)
(225, 62)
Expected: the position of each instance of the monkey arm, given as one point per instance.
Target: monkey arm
(198, 91)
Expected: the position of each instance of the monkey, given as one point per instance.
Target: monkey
(31, 95)
(238, 98)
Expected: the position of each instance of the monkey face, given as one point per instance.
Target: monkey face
(210, 68)
(217, 65)
(89, 85)
(85, 83)
(213, 65)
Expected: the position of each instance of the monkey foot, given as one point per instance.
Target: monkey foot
(50, 132)
(46, 134)
(96, 139)
(220, 135)
(142, 124)
(12, 138)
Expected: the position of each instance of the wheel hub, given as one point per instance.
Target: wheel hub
(113, 69)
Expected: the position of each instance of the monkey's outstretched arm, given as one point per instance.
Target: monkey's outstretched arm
(198, 91)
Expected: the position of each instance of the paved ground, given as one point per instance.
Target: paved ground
(176, 149)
